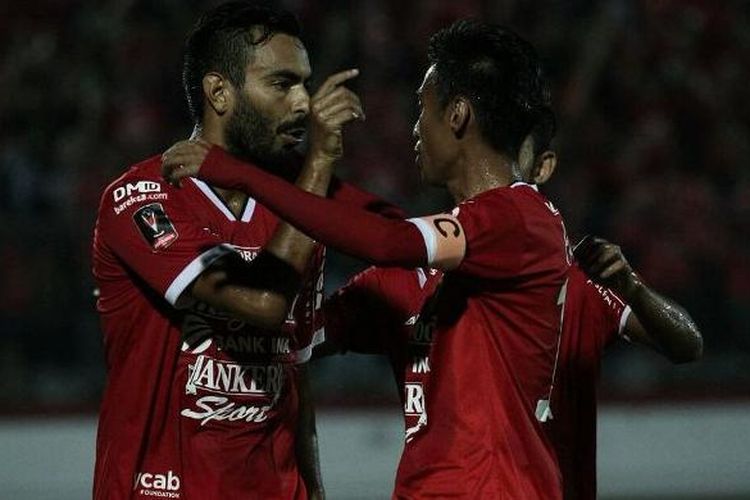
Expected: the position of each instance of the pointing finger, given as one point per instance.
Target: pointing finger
(335, 80)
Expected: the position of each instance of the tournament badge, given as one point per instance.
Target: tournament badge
(155, 226)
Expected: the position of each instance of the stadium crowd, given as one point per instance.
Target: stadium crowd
(654, 127)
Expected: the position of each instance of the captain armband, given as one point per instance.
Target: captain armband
(444, 239)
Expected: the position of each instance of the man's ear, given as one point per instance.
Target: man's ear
(459, 115)
(544, 167)
(526, 159)
(218, 92)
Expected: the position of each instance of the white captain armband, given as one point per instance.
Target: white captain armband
(444, 240)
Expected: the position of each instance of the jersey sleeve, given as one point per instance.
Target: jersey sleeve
(156, 236)
(357, 315)
(495, 237)
(307, 311)
(348, 193)
(611, 310)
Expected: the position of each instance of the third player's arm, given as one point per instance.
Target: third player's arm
(656, 321)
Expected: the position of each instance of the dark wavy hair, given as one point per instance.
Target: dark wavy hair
(223, 40)
(499, 73)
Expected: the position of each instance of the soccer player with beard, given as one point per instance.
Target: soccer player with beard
(208, 302)
(495, 317)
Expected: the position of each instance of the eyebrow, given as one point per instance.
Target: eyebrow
(284, 73)
(288, 74)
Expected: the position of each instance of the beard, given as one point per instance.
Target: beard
(251, 136)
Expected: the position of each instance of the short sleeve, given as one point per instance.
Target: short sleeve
(307, 312)
(495, 236)
(147, 226)
(611, 311)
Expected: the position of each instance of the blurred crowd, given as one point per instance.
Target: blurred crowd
(654, 125)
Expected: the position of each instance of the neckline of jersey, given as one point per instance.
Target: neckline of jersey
(215, 199)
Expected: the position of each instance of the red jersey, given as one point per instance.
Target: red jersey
(593, 317)
(480, 355)
(197, 404)
(378, 312)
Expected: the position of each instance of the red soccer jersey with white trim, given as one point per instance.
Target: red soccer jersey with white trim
(593, 317)
(377, 312)
(197, 404)
(489, 336)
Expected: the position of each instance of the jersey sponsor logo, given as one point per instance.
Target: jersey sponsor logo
(248, 254)
(237, 344)
(157, 485)
(414, 406)
(140, 198)
(199, 332)
(223, 379)
(139, 187)
(420, 364)
(422, 333)
(220, 408)
(413, 398)
(228, 378)
(247, 344)
(608, 297)
(155, 226)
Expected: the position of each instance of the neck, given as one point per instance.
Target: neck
(478, 171)
(235, 200)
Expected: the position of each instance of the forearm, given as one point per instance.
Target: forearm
(347, 193)
(289, 244)
(663, 323)
(356, 232)
(308, 459)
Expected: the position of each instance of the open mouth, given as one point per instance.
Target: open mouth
(294, 135)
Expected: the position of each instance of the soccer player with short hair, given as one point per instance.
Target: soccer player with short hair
(495, 316)
(377, 312)
(605, 301)
(208, 302)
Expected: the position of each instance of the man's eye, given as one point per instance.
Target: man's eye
(282, 84)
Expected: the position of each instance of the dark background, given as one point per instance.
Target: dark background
(654, 113)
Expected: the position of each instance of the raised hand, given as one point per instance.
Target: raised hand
(605, 264)
(331, 107)
(184, 159)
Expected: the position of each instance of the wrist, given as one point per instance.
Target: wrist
(320, 157)
(631, 287)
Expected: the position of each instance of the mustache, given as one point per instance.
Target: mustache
(293, 125)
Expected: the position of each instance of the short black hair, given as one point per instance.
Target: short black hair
(498, 72)
(222, 40)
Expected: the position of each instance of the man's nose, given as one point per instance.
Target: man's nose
(301, 102)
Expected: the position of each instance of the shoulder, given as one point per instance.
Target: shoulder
(514, 201)
(141, 183)
(146, 171)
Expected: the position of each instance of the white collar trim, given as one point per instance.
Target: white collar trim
(247, 214)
